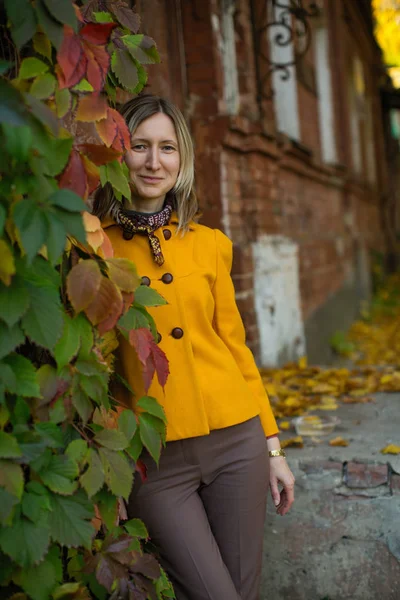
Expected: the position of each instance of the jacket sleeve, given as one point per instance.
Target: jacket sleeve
(229, 326)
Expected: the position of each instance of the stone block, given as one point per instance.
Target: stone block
(395, 484)
(361, 475)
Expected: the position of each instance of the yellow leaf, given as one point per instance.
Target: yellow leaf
(303, 362)
(391, 449)
(297, 442)
(338, 441)
(271, 389)
(7, 265)
(284, 425)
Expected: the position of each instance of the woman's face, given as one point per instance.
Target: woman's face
(153, 160)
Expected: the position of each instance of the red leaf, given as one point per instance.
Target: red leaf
(141, 340)
(128, 299)
(83, 283)
(141, 469)
(92, 175)
(161, 364)
(148, 373)
(97, 33)
(71, 58)
(108, 251)
(98, 154)
(107, 130)
(74, 175)
(123, 137)
(92, 107)
(150, 355)
(106, 305)
(98, 62)
(108, 323)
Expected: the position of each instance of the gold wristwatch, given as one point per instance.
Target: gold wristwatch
(279, 452)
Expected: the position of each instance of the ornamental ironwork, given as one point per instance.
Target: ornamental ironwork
(283, 23)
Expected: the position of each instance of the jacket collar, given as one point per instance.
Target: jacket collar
(108, 221)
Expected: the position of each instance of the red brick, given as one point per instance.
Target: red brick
(360, 475)
(395, 484)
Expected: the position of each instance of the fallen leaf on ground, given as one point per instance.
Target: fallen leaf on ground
(296, 442)
(284, 425)
(391, 449)
(338, 441)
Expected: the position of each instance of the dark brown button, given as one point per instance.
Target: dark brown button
(167, 278)
(159, 337)
(167, 234)
(128, 235)
(177, 333)
(146, 280)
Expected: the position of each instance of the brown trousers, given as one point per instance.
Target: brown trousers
(205, 508)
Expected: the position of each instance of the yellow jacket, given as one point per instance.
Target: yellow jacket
(214, 381)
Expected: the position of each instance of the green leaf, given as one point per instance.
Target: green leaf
(25, 542)
(95, 387)
(39, 581)
(11, 478)
(112, 439)
(93, 479)
(12, 107)
(151, 406)
(119, 476)
(77, 450)
(59, 475)
(133, 319)
(45, 332)
(55, 152)
(127, 423)
(32, 445)
(63, 102)
(51, 434)
(32, 224)
(136, 446)
(14, 300)
(150, 437)
(43, 86)
(26, 379)
(9, 446)
(62, 12)
(52, 28)
(10, 338)
(56, 237)
(57, 411)
(125, 69)
(7, 377)
(42, 45)
(70, 520)
(31, 67)
(142, 48)
(115, 175)
(136, 528)
(23, 19)
(73, 223)
(7, 503)
(18, 141)
(83, 86)
(68, 345)
(82, 404)
(34, 504)
(5, 65)
(102, 17)
(148, 297)
(107, 504)
(3, 217)
(67, 200)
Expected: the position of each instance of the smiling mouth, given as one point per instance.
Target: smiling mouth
(150, 179)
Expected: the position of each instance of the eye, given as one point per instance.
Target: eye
(168, 148)
(138, 147)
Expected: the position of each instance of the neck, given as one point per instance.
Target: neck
(145, 205)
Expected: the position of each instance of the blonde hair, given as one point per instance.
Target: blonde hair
(136, 111)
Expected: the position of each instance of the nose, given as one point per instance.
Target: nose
(153, 159)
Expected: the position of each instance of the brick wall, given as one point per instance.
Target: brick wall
(251, 179)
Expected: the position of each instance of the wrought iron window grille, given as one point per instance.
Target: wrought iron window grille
(280, 22)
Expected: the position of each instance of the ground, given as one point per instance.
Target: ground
(341, 540)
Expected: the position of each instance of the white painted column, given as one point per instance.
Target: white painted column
(277, 300)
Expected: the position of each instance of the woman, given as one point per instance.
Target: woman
(205, 504)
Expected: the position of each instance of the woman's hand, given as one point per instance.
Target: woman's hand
(280, 473)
